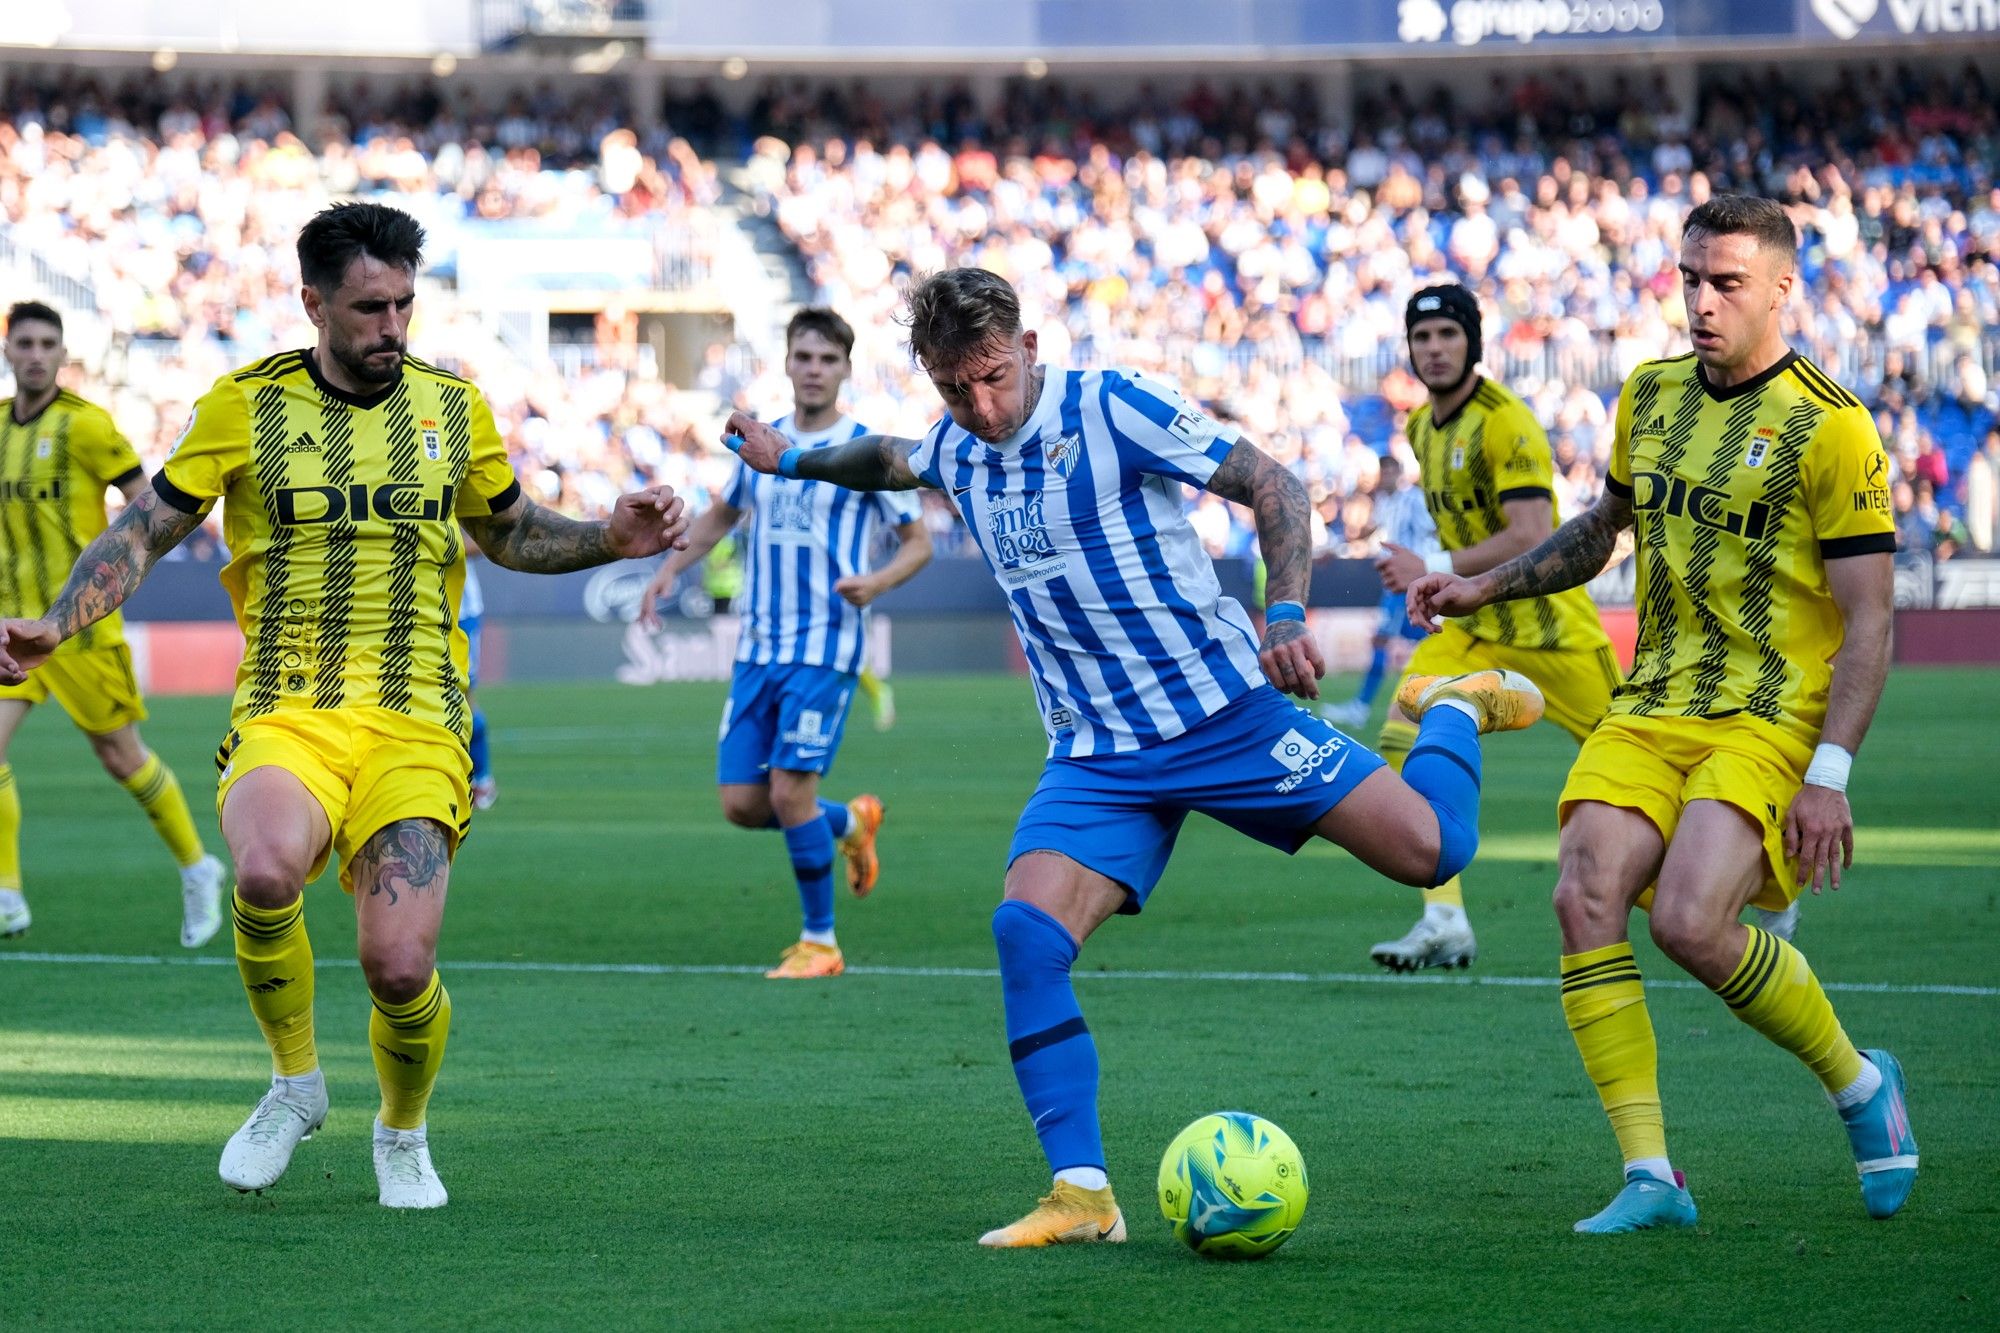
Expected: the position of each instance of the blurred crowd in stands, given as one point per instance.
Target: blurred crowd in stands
(1238, 239)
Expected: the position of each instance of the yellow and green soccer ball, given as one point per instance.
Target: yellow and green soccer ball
(1233, 1185)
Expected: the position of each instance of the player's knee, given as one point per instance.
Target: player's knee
(1030, 940)
(120, 753)
(1680, 927)
(1420, 858)
(266, 878)
(746, 811)
(398, 974)
(1583, 896)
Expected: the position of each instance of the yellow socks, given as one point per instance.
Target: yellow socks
(1774, 990)
(1605, 1003)
(1393, 744)
(275, 959)
(407, 1041)
(10, 830)
(158, 793)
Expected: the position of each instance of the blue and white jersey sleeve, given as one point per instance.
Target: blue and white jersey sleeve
(1406, 520)
(803, 537)
(1162, 433)
(471, 599)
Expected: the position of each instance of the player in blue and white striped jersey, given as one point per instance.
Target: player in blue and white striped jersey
(1154, 689)
(1405, 523)
(804, 638)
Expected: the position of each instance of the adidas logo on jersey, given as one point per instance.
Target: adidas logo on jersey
(1657, 426)
(305, 444)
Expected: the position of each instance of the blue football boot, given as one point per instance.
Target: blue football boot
(1885, 1151)
(1646, 1203)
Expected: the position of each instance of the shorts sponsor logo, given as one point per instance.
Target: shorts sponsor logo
(1305, 759)
(810, 734)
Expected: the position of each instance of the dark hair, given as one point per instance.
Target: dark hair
(1747, 215)
(34, 310)
(827, 324)
(958, 311)
(339, 235)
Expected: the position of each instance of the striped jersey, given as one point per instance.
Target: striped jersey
(341, 516)
(804, 536)
(1490, 452)
(1081, 517)
(1740, 496)
(1404, 519)
(54, 468)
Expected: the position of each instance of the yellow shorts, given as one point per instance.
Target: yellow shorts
(367, 768)
(1656, 765)
(1576, 682)
(95, 686)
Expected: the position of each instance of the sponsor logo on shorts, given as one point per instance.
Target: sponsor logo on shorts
(1304, 759)
(810, 735)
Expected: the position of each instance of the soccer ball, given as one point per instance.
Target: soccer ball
(1233, 1185)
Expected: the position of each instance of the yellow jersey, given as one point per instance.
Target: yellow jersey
(1491, 451)
(54, 468)
(1740, 496)
(341, 516)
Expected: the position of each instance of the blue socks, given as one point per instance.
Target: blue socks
(811, 846)
(1443, 767)
(1055, 1061)
(836, 818)
(482, 755)
(1371, 683)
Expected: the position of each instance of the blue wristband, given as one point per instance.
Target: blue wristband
(788, 462)
(1277, 611)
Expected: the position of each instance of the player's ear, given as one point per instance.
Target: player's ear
(315, 305)
(1029, 341)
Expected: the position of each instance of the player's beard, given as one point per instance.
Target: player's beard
(358, 366)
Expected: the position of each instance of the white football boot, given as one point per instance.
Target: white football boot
(201, 902)
(14, 915)
(1347, 716)
(403, 1171)
(1782, 924)
(258, 1153)
(1442, 937)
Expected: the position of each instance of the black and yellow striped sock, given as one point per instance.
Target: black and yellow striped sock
(1604, 1000)
(407, 1041)
(1393, 743)
(10, 830)
(276, 962)
(158, 793)
(1773, 989)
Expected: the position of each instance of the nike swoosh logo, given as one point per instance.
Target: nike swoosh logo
(1334, 772)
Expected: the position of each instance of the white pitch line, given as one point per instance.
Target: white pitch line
(980, 973)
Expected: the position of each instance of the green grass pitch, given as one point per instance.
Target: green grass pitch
(702, 1148)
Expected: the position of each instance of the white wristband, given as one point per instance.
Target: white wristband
(1829, 768)
(1439, 562)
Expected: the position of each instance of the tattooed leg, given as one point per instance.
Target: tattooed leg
(399, 878)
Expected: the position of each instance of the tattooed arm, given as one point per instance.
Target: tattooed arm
(106, 573)
(867, 463)
(1249, 476)
(528, 537)
(1575, 554)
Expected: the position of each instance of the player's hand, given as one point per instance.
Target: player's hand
(648, 522)
(1399, 567)
(1436, 595)
(758, 445)
(25, 645)
(858, 589)
(1819, 833)
(1291, 660)
(658, 586)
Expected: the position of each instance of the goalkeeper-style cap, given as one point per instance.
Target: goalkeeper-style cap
(1451, 302)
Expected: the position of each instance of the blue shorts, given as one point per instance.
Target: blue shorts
(1396, 619)
(1263, 765)
(471, 627)
(781, 716)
